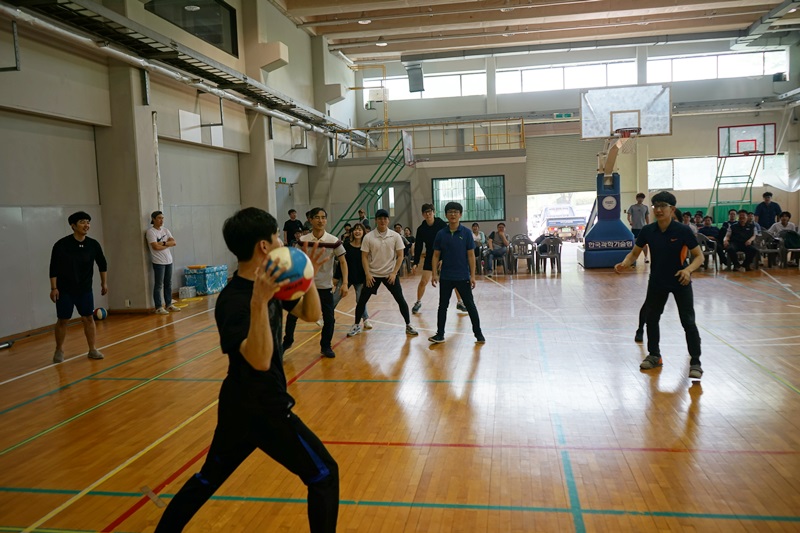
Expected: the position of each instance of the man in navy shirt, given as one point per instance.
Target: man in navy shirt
(670, 242)
(740, 238)
(455, 246)
(767, 212)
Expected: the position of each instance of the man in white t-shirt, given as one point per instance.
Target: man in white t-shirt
(160, 240)
(331, 248)
(382, 254)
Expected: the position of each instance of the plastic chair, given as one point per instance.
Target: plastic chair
(497, 260)
(767, 246)
(523, 248)
(552, 251)
(784, 250)
(709, 249)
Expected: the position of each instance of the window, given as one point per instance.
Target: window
(542, 79)
(708, 67)
(701, 172)
(441, 86)
(483, 197)
(214, 21)
(555, 77)
(508, 81)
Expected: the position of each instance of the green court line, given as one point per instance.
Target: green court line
(101, 404)
(90, 376)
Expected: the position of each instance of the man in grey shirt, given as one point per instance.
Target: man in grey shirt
(638, 216)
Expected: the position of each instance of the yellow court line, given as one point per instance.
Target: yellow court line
(759, 365)
(119, 468)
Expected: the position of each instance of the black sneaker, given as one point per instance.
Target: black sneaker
(417, 307)
(436, 339)
(461, 307)
(650, 362)
(328, 352)
(639, 337)
(695, 372)
(287, 343)
(480, 339)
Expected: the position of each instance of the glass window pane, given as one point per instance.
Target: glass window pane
(483, 197)
(370, 83)
(542, 79)
(776, 61)
(659, 175)
(659, 71)
(694, 68)
(398, 89)
(473, 84)
(508, 82)
(775, 170)
(442, 86)
(695, 173)
(585, 76)
(740, 65)
(622, 73)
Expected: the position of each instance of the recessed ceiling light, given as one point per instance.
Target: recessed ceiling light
(381, 42)
(506, 9)
(792, 10)
(191, 8)
(365, 21)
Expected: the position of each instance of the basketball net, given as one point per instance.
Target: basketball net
(626, 137)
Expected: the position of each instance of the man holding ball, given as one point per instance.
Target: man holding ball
(255, 410)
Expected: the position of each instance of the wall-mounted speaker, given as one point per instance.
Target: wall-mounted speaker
(415, 83)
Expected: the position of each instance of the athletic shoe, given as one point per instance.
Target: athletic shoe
(367, 324)
(651, 361)
(161, 311)
(646, 260)
(480, 339)
(741, 269)
(488, 274)
(436, 339)
(411, 331)
(58, 357)
(328, 352)
(695, 372)
(417, 307)
(355, 330)
(287, 343)
(174, 309)
(95, 354)
(320, 322)
(461, 307)
(639, 337)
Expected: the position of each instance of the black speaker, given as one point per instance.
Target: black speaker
(415, 83)
(779, 76)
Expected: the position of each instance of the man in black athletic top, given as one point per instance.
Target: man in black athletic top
(255, 410)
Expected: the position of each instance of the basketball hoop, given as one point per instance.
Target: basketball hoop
(627, 138)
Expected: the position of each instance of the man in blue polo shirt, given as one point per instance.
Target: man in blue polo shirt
(670, 243)
(455, 247)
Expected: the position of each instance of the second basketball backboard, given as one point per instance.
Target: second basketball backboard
(746, 140)
(606, 110)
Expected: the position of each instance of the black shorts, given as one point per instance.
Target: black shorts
(83, 302)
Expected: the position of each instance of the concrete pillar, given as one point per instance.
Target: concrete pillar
(491, 86)
(257, 174)
(128, 189)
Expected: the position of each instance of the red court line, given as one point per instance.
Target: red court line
(139, 504)
(554, 447)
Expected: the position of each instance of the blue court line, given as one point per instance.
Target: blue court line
(572, 487)
(432, 505)
(542, 348)
(90, 376)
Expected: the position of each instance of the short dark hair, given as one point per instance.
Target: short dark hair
(348, 225)
(153, 216)
(678, 213)
(664, 196)
(687, 214)
(292, 211)
(80, 215)
(475, 224)
(640, 195)
(767, 194)
(246, 228)
(454, 205)
(501, 224)
(740, 211)
(427, 207)
(786, 213)
(698, 213)
(731, 211)
(708, 217)
(315, 211)
(398, 224)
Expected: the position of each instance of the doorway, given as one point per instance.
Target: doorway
(395, 198)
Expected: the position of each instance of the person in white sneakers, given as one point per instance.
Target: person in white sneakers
(355, 268)
(160, 240)
(382, 255)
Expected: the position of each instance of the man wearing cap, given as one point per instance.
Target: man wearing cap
(767, 212)
(382, 255)
(670, 243)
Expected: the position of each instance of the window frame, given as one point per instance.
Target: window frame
(469, 215)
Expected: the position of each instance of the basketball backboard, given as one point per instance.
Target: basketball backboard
(746, 140)
(603, 111)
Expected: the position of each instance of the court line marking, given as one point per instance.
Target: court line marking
(101, 404)
(81, 356)
(117, 469)
(761, 367)
(781, 285)
(117, 365)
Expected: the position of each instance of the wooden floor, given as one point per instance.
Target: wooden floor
(548, 427)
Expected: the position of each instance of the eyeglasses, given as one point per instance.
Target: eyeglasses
(453, 212)
(661, 205)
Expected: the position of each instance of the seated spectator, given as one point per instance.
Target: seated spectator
(740, 238)
(712, 233)
(698, 219)
(346, 235)
(498, 247)
(478, 235)
(411, 240)
(687, 221)
(751, 219)
(782, 225)
(723, 230)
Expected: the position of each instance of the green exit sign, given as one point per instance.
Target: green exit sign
(283, 180)
(562, 115)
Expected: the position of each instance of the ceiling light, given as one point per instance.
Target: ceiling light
(792, 10)
(381, 42)
(506, 9)
(365, 21)
(191, 8)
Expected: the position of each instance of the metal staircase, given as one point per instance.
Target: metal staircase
(384, 175)
(745, 181)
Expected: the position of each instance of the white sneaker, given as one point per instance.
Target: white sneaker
(367, 324)
(320, 322)
(174, 309)
(161, 311)
(355, 330)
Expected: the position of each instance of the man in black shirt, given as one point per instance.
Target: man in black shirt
(739, 238)
(71, 270)
(291, 227)
(426, 234)
(670, 242)
(255, 410)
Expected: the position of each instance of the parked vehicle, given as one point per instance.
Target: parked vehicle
(561, 221)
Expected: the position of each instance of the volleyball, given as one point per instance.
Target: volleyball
(100, 313)
(299, 272)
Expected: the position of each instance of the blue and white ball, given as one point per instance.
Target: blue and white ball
(100, 313)
(299, 272)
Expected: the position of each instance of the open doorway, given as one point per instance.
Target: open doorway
(562, 214)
